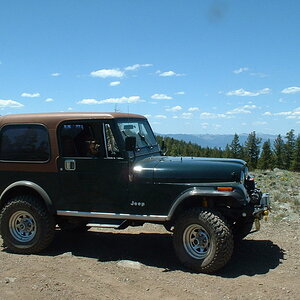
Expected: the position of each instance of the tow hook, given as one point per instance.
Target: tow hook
(262, 211)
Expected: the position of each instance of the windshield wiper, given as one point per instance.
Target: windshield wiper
(144, 140)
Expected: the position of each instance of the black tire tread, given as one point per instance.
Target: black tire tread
(30, 203)
(224, 239)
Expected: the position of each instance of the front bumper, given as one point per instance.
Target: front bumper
(264, 207)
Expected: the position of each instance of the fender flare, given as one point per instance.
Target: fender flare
(201, 192)
(31, 185)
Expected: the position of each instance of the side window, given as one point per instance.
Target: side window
(24, 143)
(78, 140)
(112, 149)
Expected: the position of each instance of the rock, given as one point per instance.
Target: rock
(129, 264)
(9, 279)
(66, 254)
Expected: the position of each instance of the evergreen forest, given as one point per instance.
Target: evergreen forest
(283, 153)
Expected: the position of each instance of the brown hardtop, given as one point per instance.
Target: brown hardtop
(51, 120)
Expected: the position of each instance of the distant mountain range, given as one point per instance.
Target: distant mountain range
(216, 140)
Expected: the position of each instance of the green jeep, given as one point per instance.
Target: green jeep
(79, 169)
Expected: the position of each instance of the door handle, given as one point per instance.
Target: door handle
(70, 165)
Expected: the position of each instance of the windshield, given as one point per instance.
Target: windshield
(140, 129)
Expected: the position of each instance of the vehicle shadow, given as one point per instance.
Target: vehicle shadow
(250, 257)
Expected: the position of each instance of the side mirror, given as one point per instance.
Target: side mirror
(130, 143)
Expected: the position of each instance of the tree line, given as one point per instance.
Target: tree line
(283, 153)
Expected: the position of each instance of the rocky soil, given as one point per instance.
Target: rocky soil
(139, 263)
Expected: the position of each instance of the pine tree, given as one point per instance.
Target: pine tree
(227, 152)
(236, 150)
(279, 150)
(252, 149)
(289, 149)
(266, 159)
(295, 166)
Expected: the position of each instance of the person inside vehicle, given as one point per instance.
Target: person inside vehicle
(92, 148)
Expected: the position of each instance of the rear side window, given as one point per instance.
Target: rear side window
(24, 143)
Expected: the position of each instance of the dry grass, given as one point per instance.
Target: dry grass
(284, 189)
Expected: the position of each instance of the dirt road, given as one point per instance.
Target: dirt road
(139, 263)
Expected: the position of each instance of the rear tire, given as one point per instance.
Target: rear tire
(202, 240)
(26, 225)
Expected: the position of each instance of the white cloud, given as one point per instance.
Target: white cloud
(242, 92)
(70, 108)
(168, 74)
(104, 73)
(160, 117)
(180, 93)
(88, 101)
(240, 70)
(137, 66)
(10, 104)
(246, 109)
(293, 114)
(28, 95)
(115, 83)
(161, 97)
(260, 123)
(55, 74)
(208, 115)
(49, 100)
(193, 109)
(186, 115)
(267, 113)
(259, 74)
(131, 99)
(174, 108)
(147, 116)
(291, 90)
(204, 125)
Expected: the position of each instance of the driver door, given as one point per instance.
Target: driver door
(91, 183)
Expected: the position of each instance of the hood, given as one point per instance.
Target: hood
(167, 169)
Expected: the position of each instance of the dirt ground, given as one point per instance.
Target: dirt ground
(139, 263)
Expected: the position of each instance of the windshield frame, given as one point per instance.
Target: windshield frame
(145, 143)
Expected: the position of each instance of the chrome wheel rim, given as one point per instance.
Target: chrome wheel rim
(196, 241)
(22, 226)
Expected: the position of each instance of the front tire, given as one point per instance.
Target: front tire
(202, 240)
(26, 226)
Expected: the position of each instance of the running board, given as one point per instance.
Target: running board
(119, 216)
(121, 225)
(114, 226)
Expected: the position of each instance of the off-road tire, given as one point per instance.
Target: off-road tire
(218, 233)
(42, 228)
(241, 229)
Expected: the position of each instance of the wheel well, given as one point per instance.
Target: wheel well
(22, 190)
(201, 201)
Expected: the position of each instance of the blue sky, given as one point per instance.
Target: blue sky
(189, 66)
